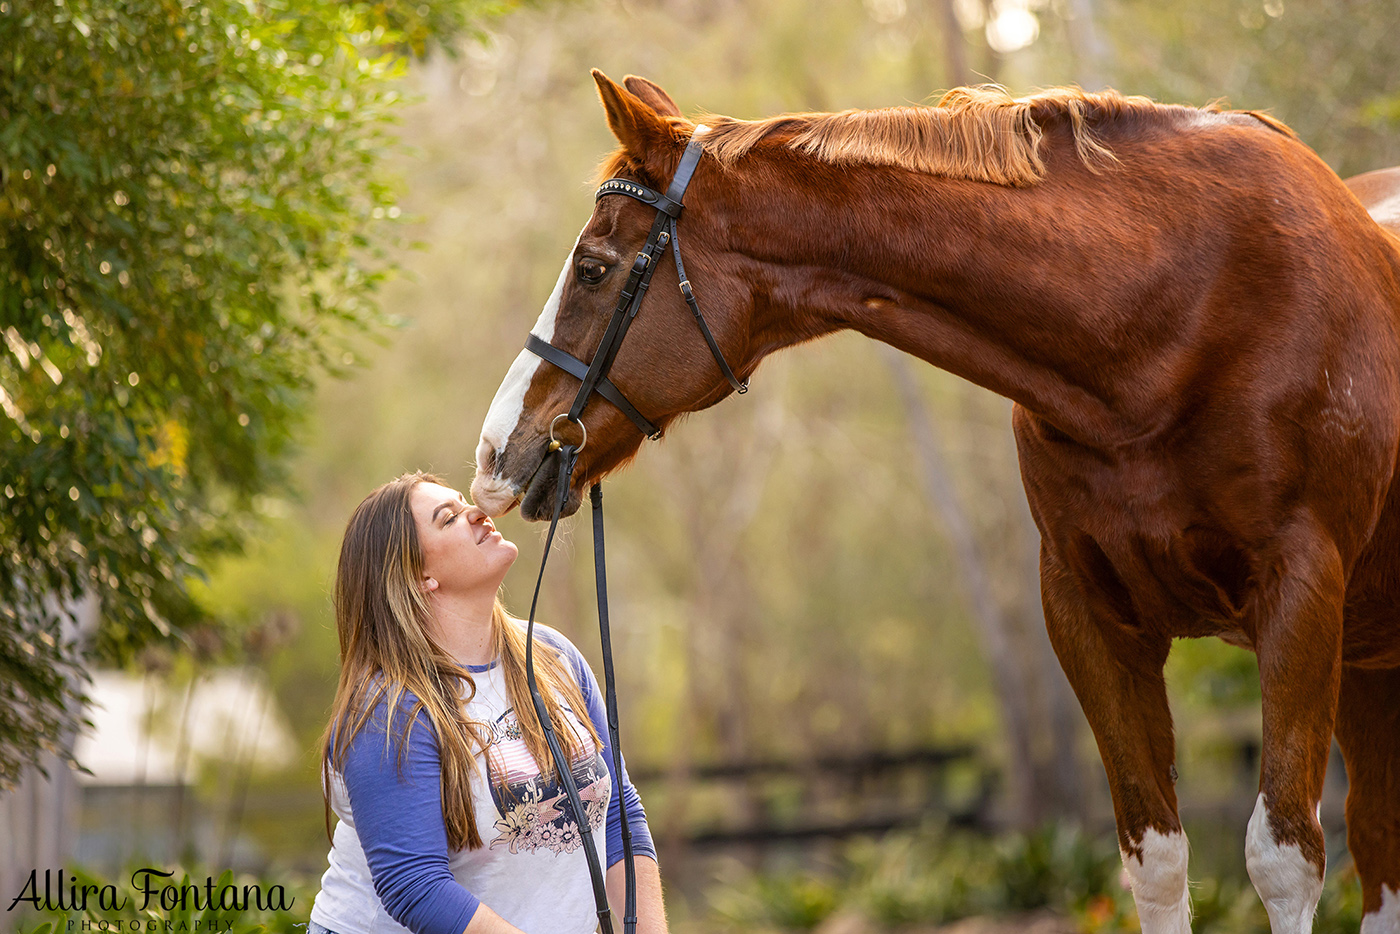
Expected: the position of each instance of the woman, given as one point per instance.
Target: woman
(451, 816)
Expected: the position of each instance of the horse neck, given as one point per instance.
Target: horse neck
(988, 282)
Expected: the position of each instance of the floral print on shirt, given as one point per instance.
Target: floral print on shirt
(535, 812)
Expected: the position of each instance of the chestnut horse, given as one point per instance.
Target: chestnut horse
(1198, 323)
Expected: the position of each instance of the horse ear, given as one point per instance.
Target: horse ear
(635, 123)
(651, 92)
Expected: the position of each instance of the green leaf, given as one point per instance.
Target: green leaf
(187, 232)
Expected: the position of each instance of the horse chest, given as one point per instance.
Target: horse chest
(1144, 544)
(1187, 582)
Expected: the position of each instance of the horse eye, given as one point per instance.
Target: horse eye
(591, 272)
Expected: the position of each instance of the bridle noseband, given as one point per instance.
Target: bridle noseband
(593, 377)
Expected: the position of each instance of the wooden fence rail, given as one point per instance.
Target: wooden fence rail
(829, 796)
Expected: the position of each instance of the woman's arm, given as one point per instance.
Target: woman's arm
(651, 911)
(486, 921)
(398, 818)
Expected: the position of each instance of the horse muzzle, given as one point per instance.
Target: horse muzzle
(499, 485)
(537, 499)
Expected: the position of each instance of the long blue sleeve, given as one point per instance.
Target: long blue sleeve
(621, 785)
(398, 818)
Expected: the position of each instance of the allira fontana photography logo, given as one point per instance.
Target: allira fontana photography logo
(150, 890)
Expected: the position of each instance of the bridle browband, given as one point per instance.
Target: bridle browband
(593, 378)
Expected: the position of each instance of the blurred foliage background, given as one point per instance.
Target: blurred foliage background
(786, 582)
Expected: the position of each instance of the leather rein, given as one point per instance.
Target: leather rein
(593, 377)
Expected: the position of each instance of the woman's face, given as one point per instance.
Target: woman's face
(462, 551)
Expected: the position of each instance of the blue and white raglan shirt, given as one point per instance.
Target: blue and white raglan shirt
(391, 871)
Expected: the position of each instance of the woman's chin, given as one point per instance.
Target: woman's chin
(509, 552)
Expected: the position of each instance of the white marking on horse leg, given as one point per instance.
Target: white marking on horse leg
(1159, 883)
(1286, 881)
(489, 490)
(1385, 920)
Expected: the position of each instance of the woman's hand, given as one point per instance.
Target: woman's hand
(486, 921)
(651, 911)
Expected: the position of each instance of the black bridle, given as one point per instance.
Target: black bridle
(593, 377)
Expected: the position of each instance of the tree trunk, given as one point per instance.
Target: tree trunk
(994, 627)
(720, 599)
(1090, 54)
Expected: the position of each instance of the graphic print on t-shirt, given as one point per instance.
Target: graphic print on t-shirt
(535, 813)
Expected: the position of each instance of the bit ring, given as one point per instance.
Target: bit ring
(555, 443)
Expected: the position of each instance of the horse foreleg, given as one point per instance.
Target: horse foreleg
(1368, 730)
(1299, 639)
(1116, 672)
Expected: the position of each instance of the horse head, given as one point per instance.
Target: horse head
(664, 367)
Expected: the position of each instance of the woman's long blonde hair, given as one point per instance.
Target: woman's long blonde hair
(381, 616)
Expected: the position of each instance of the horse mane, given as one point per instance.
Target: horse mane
(979, 133)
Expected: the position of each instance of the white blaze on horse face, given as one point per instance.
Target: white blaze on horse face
(492, 492)
(1159, 883)
(1386, 920)
(1287, 883)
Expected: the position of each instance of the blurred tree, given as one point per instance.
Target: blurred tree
(193, 214)
(1044, 779)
